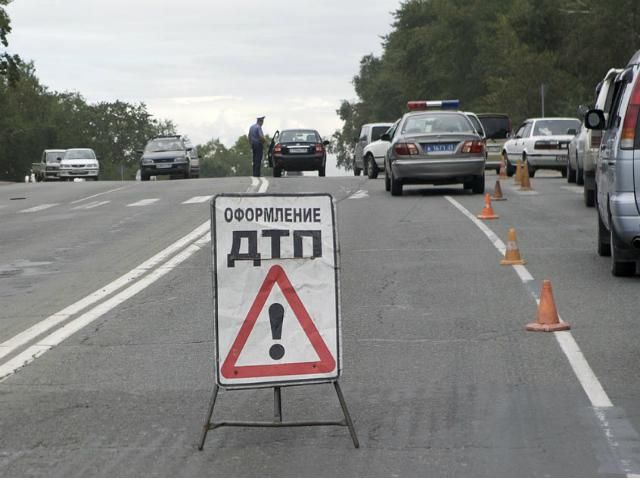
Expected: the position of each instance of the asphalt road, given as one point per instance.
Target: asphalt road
(439, 374)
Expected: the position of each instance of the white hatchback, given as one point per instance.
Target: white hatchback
(79, 163)
(543, 143)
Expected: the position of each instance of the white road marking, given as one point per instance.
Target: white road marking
(96, 195)
(264, 185)
(574, 189)
(198, 200)
(91, 205)
(145, 202)
(590, 383)
(39, 208)
(526, 192)
(359, 194)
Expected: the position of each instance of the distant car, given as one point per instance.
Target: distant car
(297, 150)
(434, 144)
(497, 127)
(169, 155)
(79, 163)
(543, 143)
(369, 133)
(374, 154)
(584, 149)
(49, 166)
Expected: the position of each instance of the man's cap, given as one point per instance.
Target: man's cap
(261, 118)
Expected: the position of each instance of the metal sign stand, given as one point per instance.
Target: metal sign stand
(278, 423)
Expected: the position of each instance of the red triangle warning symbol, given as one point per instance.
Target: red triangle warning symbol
(326, 362)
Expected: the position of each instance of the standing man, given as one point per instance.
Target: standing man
(256, 139)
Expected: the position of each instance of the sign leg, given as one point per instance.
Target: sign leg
(207, 422)
(277, 403)
(347, 417)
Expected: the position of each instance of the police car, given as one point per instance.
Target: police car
(434, 143)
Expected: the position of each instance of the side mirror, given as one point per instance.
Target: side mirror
(594, 120)
(189, 149)
(572, 131)
(326, 143)
(139, 152)
(508, 135)
(385, 137)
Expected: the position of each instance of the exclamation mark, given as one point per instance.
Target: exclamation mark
(276, 317)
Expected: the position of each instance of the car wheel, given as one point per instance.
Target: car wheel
(532, 171)
(571, 173)
(365, 167)
(589, 197)
(511, 170)
(604, 247)
(563, 172)
(322, 171)
(277, 172)
(618, 268)
(396, 186)
(477, 186)
(498, 171)
(387, 180)
(356, 171)
(372, 167)
(579, 176)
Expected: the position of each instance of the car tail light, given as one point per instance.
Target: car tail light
(406, 149)
(277, 148)
(596, 138)
(473, 146)
(546, 145)
(629, 137)
(319, 148)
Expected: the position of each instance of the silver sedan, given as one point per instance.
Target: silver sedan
(436, 148)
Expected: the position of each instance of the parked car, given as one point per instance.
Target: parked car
(79, 163)
(169, 155)
(543, 143)
(618, 172)
(584, 148)
(297, 150)
(435, 144)
(49, 166)
(374, 154)
(497, 127)
(369, 133)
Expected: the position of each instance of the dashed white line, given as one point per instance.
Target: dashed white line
(39, 208)
(359, 195)
(92, 205)
(97, 195)
(202, 199)
(144, 202)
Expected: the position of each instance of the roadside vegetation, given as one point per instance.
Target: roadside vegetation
(493, 55)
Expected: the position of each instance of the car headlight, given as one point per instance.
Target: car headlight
(180, 159)
(147, 161)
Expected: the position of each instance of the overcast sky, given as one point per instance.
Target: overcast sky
(212, 66)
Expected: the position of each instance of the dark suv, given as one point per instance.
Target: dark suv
(169, 155)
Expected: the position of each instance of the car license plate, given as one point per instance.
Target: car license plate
(79, 172)
(440, 147)
(297, 150)
(163, 165)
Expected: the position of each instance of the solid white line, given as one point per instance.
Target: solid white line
(203, 199)
(60, 335)
(96, 195)
(587, 378)
(39, 208)
(41, 327)
(91, 205)
(144, 202)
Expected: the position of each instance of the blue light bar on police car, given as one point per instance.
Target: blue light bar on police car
(434, 105)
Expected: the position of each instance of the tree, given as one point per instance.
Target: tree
(9, 64)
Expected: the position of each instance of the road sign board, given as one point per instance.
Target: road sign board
(276, 289)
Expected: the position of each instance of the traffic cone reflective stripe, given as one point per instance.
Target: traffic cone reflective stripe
(487, 211)
(548, 319)
(497, 193)
(512, 255)
(525, 182)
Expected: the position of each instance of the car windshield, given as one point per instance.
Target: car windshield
(545, 128)
(377, 132)
(164, 145)
(496, 127)
(437, 123)
(52, 157)
(289, 136)
(80, 154)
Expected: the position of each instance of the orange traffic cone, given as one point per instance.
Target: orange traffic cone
(487, 211)
(503, 168)
(517, 178)
(512, 255)
(525, 183)
(497, 193)
(548, 319)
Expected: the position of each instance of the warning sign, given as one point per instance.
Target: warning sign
(276, 289)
